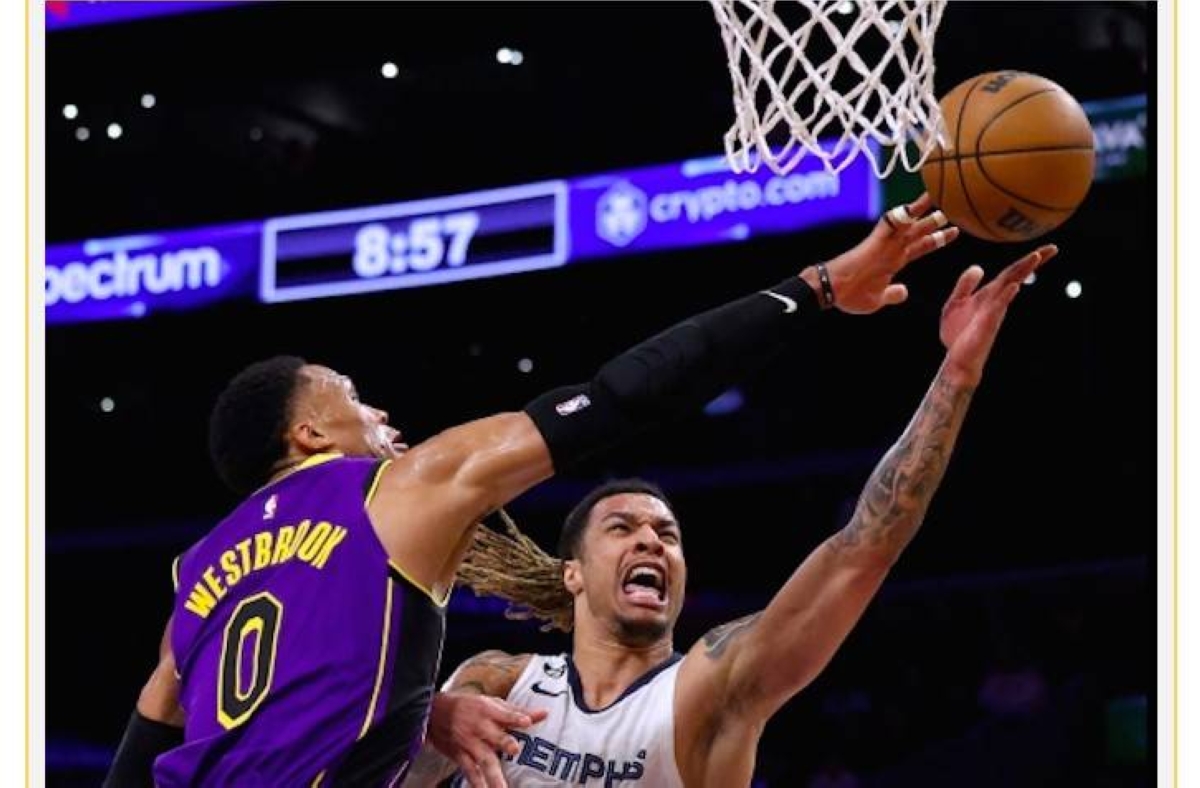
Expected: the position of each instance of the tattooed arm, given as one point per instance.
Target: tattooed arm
(469, 722)
(759, 662)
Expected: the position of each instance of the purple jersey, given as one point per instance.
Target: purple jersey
(305, 657)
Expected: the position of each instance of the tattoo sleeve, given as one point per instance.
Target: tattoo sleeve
(897, 495)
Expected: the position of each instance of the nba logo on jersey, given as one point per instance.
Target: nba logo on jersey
(269, 507)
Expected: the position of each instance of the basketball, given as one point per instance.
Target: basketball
(1022, 157)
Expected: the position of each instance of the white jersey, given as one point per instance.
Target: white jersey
(630, 744)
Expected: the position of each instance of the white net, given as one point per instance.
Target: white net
(831, 79)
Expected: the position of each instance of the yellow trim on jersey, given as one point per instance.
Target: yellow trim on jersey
(316, 459)
(424, 589)
(375, 482)
(383, 650)
(317, 781)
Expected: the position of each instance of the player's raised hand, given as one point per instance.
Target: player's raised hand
(861, 278)
(972, 315)
(472, 729)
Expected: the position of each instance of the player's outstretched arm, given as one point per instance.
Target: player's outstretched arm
(155, 727)
(428, 500)
(760, 662)
(469, 723)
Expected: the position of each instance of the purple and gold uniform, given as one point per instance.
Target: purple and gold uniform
(305, 656)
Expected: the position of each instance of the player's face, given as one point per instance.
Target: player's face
(330, 404)
(632, 568)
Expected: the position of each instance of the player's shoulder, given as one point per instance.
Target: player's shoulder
(710, 658)
(494, 659)
(492, 672)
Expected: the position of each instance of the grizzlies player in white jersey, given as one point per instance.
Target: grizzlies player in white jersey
(624, 708)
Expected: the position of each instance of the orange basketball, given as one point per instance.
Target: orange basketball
(1022, 158)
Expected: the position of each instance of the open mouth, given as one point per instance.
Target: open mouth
(394, 440)
(646, 585)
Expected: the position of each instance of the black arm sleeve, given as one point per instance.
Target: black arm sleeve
(145, 739)
(681, 368)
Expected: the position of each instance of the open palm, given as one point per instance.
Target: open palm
(972, 315)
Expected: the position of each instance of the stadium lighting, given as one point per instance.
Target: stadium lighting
(509, 57)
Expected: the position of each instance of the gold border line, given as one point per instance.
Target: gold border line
(383, 653)
(25, 299)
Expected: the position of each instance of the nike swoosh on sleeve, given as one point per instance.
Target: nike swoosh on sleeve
(789, 305)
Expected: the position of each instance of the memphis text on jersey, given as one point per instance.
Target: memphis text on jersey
(305, 542)
(574, 767)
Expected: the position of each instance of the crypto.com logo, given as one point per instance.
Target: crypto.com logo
(621, 214)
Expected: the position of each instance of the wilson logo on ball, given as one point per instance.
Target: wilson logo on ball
(1020, 159)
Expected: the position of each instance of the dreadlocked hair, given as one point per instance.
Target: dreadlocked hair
(512, 567)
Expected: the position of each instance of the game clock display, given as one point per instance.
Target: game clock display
(415, 243)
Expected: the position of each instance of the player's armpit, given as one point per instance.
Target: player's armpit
(705, 676)
(779, 652)
(427, 500)
(715, 737)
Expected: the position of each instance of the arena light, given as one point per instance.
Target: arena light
(114, 131)
(82, 134)
(390, 70)
(149, 100)
(108, 405)
(1074, 289)
(70, 112)
(510, 57)
(1031, 278)
(525, 365)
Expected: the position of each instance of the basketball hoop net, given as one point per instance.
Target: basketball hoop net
(858, 73)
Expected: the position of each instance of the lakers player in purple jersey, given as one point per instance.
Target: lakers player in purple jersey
(307, 627)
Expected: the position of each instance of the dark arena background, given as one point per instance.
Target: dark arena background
(567, 146)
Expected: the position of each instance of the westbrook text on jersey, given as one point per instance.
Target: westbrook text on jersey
(311, 544)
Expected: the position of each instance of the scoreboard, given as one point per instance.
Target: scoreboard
(416, 243)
